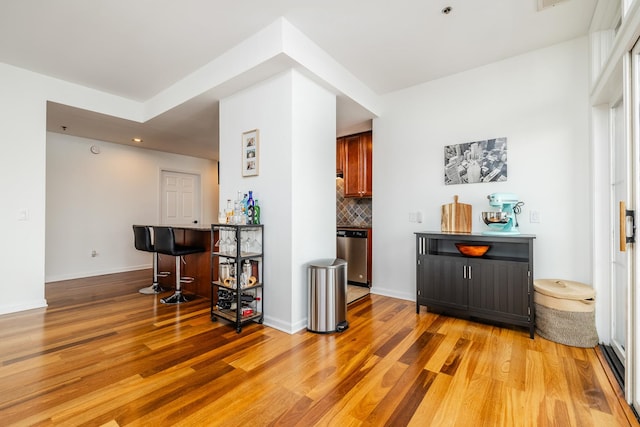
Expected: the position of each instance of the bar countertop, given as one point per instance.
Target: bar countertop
(194, 227)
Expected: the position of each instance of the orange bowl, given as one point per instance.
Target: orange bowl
(472, 250)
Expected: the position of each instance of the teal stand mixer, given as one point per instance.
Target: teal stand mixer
(504, 221)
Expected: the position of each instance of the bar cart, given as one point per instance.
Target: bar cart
(237, 288)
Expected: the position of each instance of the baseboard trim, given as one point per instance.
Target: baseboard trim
(15, 308)
(83, 274)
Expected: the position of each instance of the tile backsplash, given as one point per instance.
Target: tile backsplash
(352, 211)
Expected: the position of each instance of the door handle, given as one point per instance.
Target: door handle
(624, 238)
(195, 221)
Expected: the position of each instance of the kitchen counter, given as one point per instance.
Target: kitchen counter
(194, 227)
(353, 227)
(197, 265)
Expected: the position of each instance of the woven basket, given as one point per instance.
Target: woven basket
(565, 312)
(572, 328)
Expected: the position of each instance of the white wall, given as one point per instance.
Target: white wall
(295, 185)
(539, 102)
(23, 111)
(314, 185)
(22, 163)
(93, 200)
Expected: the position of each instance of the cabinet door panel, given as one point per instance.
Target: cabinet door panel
(499, 287)
(421, 280)
(366, 143)
(444, 282)
(357, 167)
(340, 156)
(352, 166)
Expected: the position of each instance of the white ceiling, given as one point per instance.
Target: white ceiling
(137, 48)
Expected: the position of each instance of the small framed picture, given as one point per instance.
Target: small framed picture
(250, 153)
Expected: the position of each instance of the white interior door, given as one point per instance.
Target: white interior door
(180, 198)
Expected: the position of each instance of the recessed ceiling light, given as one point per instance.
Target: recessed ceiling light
(136, 139)
(447, 10)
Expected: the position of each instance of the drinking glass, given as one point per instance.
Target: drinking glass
(228, 243)
(233, 244)
(256, 246)
(219, 241)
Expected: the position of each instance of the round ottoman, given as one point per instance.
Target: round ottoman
(565, 312)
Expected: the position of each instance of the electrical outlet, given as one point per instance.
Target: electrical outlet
(534, 217)
(23, 215)
(415, 216)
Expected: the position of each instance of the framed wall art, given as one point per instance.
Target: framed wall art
(475, 162)
(250, 153)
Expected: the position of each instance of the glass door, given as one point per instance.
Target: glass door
(632, 377)
(619, 264)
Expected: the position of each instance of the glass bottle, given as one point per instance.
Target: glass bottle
(238, 214)
(256, 213)
(245, 203)
(229, 211)
(250, 208)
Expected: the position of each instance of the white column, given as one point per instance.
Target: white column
(296, 120)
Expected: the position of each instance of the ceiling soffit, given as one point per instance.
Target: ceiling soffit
(169, 115)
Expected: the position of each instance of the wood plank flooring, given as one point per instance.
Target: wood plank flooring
(102, 354)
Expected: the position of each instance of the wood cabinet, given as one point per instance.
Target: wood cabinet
(340, 156)
(497, 286)
(432, 270)
(196, 265)
(357, 167)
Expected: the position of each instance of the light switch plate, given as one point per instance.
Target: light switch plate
(534, 217)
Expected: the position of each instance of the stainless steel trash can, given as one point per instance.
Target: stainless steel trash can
(327, 308)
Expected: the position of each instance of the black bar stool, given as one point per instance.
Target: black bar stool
(142, 242)
(165, 243)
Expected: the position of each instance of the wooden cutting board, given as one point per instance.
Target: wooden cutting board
(456, 217)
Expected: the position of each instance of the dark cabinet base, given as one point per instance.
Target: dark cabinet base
(497, 287)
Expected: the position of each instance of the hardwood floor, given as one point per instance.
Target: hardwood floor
(102, 354)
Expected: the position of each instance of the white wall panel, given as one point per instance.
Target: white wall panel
(22, 172)
(539, 102)
(94, 199)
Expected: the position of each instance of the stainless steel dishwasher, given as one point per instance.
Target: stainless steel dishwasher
(352, 247)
